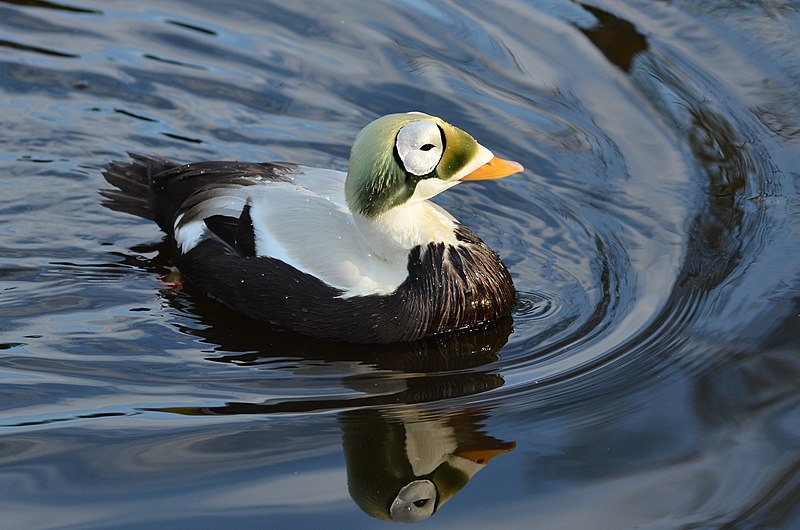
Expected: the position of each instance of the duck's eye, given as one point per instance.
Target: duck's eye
(419, 146)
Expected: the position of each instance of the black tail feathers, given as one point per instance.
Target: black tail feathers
(135, 193)
(156, 189)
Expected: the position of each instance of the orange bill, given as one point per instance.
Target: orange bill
(496, 168)
(482, 456)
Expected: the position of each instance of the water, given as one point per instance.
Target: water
(650, 375)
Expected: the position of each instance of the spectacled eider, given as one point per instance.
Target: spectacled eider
(357, 257)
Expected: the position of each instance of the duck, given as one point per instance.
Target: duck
(361, 256)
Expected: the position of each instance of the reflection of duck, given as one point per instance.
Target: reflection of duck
(395, 450)
(447, 367)
(404, 467)
(362, 257)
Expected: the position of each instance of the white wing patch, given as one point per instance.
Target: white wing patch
(189, 235)
(327, 183)
(305, 223)
(319, 236)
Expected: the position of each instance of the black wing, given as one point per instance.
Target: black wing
(237, 233)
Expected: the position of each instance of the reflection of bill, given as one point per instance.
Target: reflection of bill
(403, 467)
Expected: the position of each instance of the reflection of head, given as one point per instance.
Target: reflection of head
(405, 468)
(416, 501)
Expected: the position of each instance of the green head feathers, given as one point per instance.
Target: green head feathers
(395, 153)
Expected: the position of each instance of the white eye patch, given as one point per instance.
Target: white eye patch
(420, 147)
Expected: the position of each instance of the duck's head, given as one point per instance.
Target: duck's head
(403, 158)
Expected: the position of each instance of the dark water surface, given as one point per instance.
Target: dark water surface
(650, 375)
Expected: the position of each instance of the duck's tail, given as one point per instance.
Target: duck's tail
(156, 189)
(135, 193)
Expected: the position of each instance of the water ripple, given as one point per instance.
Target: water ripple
(651, 239)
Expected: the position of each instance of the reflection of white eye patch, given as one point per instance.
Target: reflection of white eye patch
(420, 147)
(415, 502)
